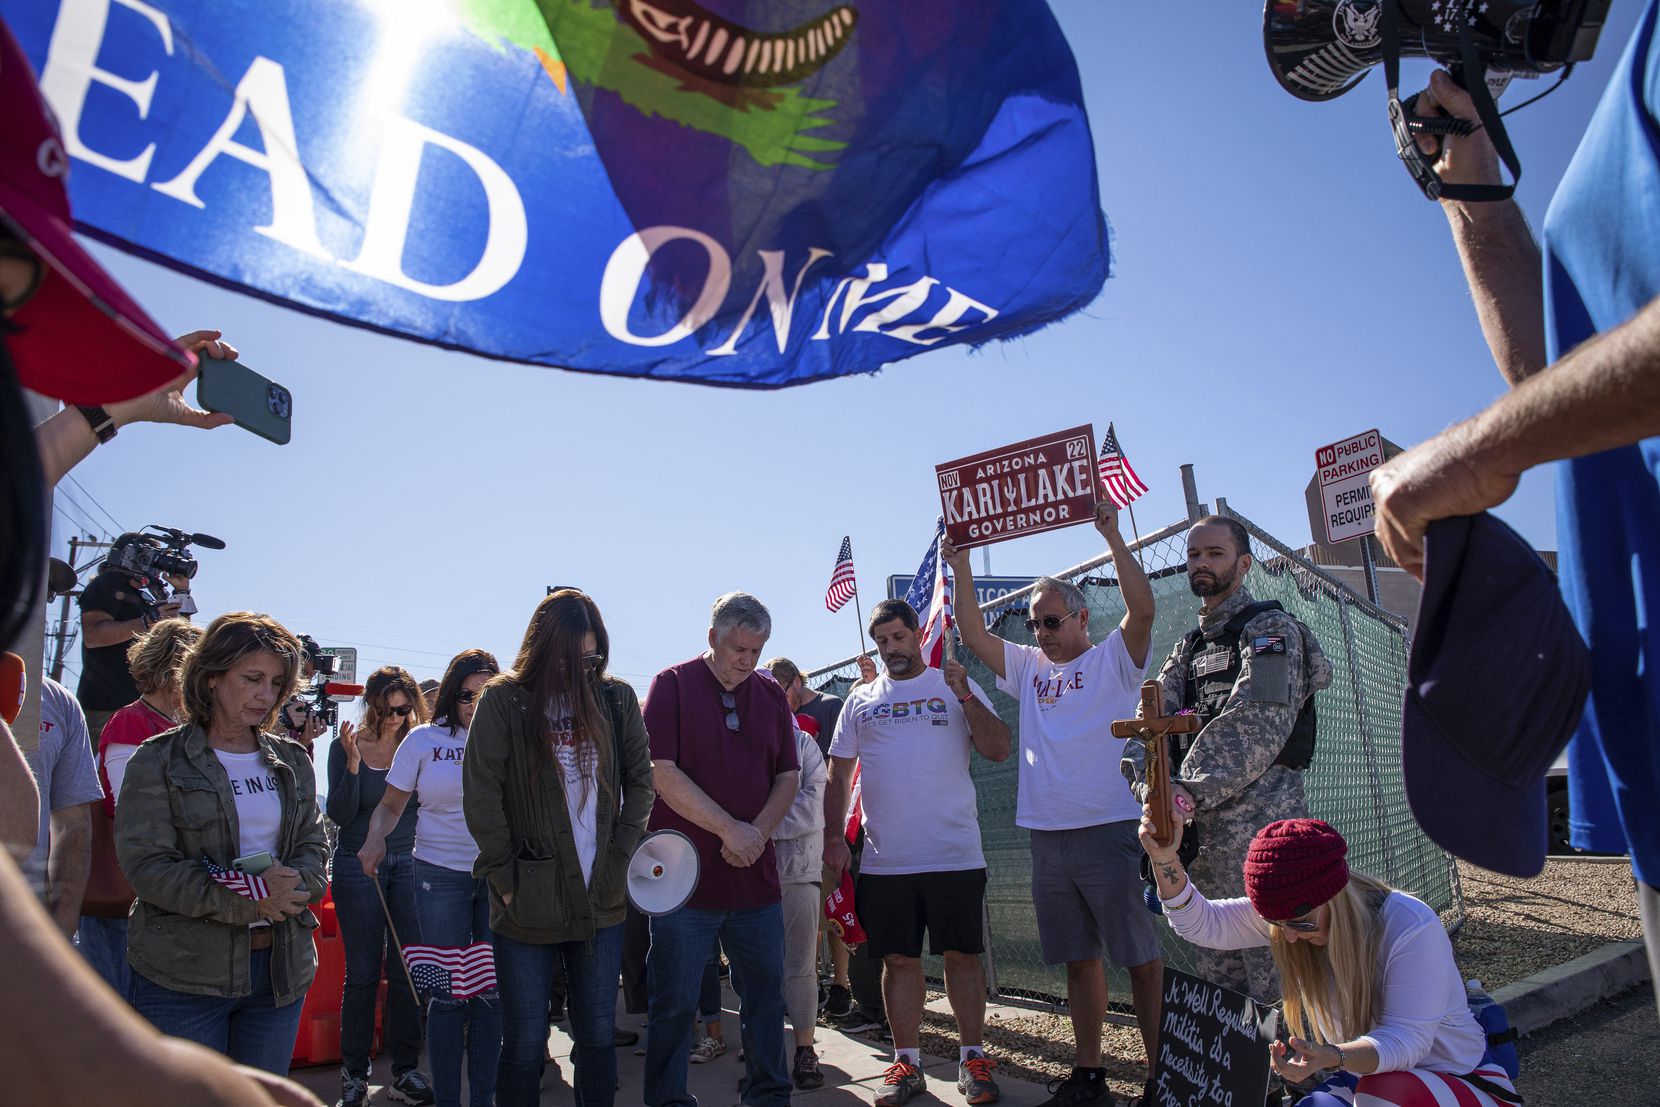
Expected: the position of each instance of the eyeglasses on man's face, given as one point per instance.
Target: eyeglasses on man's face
(1048, 622)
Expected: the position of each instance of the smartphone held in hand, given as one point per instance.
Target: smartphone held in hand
(256, 403)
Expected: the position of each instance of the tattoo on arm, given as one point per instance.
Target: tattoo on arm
(1170, 871)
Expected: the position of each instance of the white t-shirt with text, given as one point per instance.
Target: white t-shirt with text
(1069, 775)
(579, 773)
(429, 761)
(911, 738)
(258, 802)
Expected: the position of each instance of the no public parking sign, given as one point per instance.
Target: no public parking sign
(1025, 488)
(1344, 470)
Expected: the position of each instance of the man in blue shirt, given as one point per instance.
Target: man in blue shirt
(1577, 335)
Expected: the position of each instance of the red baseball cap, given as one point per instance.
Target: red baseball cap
(80, 339)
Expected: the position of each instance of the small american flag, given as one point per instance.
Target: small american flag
(1116, 474)
(842, 585)
(248, 887)
(462, 971)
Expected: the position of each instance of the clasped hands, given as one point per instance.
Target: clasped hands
(741, 845)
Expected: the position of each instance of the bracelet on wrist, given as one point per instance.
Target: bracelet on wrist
(1187, 900)
(965, 699)
(1342, 1062)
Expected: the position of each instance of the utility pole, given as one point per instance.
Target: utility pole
(63, 634)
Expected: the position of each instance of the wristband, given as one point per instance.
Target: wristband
(965, 699)
(101, 422)
(1342, 1062)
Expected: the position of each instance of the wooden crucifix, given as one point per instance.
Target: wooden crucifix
(1155, 727)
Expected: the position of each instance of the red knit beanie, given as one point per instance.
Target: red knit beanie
(1293, 866)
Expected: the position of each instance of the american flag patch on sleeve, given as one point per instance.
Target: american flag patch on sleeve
(1268, 643)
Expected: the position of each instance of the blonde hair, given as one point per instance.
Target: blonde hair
(229, 639)
(1332, 992)
(157, 655)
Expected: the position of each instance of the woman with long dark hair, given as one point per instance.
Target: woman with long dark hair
(359, 761)
(449, 901)
(558, 790)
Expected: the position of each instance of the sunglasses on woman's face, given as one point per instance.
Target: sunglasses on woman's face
(1048, 622)
(401, 711)
(1305, 925)
(592, 661)
(466, 695)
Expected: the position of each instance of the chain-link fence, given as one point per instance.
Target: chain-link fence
(1355, 781)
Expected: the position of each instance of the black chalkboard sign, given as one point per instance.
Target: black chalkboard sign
(1213, 1046)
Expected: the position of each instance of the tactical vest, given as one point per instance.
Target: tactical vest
(1213, 667)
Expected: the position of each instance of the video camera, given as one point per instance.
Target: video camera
(1320, 49)
(149, 559)
(318, 699)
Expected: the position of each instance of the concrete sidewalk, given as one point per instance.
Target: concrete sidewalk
(852, 1068)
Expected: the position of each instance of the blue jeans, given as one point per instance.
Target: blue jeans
(680, 944)
(454, 910)
(368, 942)
(250, 1030)
(526, 974)
(708, 993)
(103, 942)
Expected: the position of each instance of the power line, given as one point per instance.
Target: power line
(82, 488)
(75, 525)
(86, 515)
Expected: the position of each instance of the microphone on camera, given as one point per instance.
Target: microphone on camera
(14, 681)
(207, 541)
(334, 689)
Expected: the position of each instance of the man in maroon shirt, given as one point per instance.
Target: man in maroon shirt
(723, 757)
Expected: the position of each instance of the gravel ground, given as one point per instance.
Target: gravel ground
(1512, 929)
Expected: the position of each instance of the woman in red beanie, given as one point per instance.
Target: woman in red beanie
(1373, 998)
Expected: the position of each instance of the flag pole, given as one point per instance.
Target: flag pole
(407, 975)
(1135, 530)
(858, 612)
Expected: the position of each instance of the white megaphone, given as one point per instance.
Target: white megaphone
(662, 874)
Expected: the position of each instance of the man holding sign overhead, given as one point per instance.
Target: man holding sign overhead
(1086, 860)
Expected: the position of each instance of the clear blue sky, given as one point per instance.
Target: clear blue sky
(1280, 284)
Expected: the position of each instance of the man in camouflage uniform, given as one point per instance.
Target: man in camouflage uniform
(1243, 770)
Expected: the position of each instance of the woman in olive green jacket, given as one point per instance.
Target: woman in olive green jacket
(225, 968)
(557, 790)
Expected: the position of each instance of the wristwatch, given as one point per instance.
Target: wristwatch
(101, 422)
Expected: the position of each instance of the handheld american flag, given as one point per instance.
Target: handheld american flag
(930, 597)
(244, 885)
(843, 586)
(463, 971)
(1117, 476)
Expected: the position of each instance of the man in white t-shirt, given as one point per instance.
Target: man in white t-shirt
(913, 730)
(1086, 857)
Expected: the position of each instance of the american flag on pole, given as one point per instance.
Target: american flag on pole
(930, 596)
(462, 971)
(244, 885)
(842, 584)
(1116, 474)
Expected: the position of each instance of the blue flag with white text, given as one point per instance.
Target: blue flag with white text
(756, 193)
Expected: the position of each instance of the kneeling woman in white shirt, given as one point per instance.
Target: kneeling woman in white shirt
(1371, 989)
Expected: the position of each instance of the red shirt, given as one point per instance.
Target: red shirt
(131, 726)
(687, 723)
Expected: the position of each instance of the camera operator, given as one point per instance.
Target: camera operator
(299, 718)
(114, 612)
(1581, 349)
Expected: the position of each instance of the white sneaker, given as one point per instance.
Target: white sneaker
(707, 1050)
